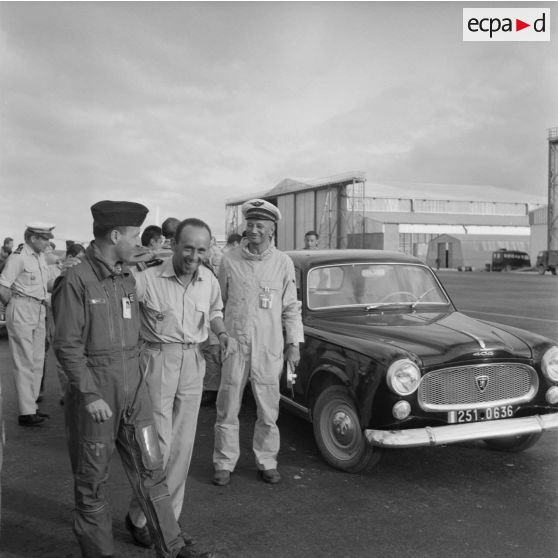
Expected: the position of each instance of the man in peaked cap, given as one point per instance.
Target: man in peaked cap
(259, 292)
(23, 289)
(107, 404)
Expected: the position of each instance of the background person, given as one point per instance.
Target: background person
(259, 291)
(96, 340)
(168, 227)
(152, 238)
(24, 284)
(5, 251)
(311, 239)
(74, 253)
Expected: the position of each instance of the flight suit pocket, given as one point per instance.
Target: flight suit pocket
(93, 461)
(148, 445)
(269, 366)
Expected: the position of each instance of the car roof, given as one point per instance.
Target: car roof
(309, 258)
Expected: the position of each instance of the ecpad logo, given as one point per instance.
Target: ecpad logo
(506, 24)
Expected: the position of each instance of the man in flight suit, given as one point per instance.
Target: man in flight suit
(96, 337)
(259, 292)
(24, 284)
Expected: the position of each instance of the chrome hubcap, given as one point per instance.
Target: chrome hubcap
(343, 428)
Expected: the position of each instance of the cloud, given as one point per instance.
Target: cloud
(182, 105)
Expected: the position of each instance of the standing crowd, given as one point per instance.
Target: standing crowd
(142, 336)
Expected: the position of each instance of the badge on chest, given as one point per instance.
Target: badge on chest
(126, 308)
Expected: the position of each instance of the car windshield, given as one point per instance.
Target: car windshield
(373, 286)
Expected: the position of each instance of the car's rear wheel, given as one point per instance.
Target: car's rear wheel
(513, 443)
(541, 269)
(338, 433)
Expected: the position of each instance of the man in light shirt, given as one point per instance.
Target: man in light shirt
(180, 302)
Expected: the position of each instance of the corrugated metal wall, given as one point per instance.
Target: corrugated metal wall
(305, 213)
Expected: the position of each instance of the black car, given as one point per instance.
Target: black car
(388, 361)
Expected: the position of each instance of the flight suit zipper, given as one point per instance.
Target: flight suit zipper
(122, 345)
(110, 317)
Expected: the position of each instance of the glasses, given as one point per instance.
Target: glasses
(43, 237)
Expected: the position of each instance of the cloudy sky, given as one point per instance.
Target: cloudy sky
(182, 105)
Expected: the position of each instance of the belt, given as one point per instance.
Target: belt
(35, 299)
(170, 346)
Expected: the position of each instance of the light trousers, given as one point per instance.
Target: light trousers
(25, 322)
(236, 369)
(174, 378)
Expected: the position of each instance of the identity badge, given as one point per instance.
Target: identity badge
(266, 298)
(126, 308)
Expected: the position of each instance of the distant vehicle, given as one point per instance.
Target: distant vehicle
(547, 260)
(506, 260)
(388, 362)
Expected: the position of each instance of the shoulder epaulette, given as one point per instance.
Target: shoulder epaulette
(142, 266)
(17, 250)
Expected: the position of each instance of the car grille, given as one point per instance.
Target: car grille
(461, 387)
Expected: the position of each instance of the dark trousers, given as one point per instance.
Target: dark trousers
(91, 445)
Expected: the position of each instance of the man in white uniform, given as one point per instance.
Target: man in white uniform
(259, 291)
(24, 286)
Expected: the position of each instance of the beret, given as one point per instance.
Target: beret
(119, 213)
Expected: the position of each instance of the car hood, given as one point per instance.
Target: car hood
(433, 337)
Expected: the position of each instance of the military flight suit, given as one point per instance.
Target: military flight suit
(259, 293)
(97, 324)
(26, 274)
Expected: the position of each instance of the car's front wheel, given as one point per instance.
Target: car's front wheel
(338, 433)
(513, 443)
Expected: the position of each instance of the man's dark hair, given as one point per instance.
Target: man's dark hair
(192, 222)
(74, 249)
(151, 232)
(102, 231)
(7, 240)
(169, 227)
(233, 238)
(312, 233)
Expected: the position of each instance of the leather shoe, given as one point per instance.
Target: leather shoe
(140, 535)
(189, 552)
(270, 476)
(30, 420)
(221, 477)
(188, 539)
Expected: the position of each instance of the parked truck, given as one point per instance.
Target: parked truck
(547, 260)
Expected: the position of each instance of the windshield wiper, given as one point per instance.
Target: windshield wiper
(377, 305)
(414, 304)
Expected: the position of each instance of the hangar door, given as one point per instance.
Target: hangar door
(445, 255)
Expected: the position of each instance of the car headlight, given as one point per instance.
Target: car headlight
(403, 377)
(550, 364)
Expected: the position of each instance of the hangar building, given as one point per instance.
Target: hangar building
(350, 212)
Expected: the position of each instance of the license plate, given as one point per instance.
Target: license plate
(479, 415)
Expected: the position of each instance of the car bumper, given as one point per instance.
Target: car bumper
(451, 434)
